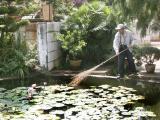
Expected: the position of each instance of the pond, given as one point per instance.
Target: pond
(150, 90)
(97, 99)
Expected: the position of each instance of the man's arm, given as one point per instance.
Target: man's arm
(116, 44)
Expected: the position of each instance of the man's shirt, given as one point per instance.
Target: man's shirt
(125, 39)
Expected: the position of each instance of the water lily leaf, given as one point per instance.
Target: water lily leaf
(150, 114)
(113, 89)
(57, 112)
(104, 86)
(2, 95)
(2, 90)
(58, 105)
(69, 102)
(102, 102)
(126, 113)
(118, 95)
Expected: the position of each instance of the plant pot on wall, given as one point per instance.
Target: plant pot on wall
(15, 17)
(75, 64)
(150, 68)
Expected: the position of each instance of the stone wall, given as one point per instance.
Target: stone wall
(43, 35)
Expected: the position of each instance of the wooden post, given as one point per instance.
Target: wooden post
(47, 12)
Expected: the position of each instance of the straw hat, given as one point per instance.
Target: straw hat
(120, 26)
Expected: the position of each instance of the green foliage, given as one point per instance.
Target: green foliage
(13, 61)
(8, 21)
(137, 52)
(150, 54)
(28, 9)
(97, 23)
(146, 12)
(31, 58)
(17, 60)
(73, 43)
(14, 52)
(146, 53)
(3, 9)
(61, 8)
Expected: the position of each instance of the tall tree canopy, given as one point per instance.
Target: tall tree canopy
(10, 12)
(146, 12)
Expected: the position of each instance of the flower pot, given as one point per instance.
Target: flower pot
(15, 17)
(75, 64)
(138, 67)
(150, 68)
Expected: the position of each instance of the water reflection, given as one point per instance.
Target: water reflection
(41, 80)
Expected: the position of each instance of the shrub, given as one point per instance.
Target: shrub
(146, 53)
(150, 54)
(72, 43)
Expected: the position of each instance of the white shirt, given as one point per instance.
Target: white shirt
(125, 39)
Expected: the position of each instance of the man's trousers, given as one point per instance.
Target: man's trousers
(121, 61)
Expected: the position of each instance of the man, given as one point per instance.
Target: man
(123, 41)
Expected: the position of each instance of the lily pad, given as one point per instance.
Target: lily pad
(105, 87)
(58, 113)
(150, 114)
(2, 89)
(126, 113)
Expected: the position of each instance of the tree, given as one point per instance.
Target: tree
(12, 51)
(95, 21)
(10, 13)
(146, 12)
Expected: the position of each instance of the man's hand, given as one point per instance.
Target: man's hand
(117, 52)
(130, 46)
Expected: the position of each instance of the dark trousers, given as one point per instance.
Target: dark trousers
(121, 60)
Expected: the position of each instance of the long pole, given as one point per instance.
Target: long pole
(81, 76)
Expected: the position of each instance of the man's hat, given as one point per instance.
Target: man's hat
(120, 26)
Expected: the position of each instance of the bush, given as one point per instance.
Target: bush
(146, 53)
(150, 54)
(73, 43)
(95, 20)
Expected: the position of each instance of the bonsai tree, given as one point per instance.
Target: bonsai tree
(149, 55)
(73, 43)
(146, 54)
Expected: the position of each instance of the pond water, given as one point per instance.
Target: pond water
(150, 91)
(10, 84)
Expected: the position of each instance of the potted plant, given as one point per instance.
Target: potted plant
(149, 55)
(72, 42)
